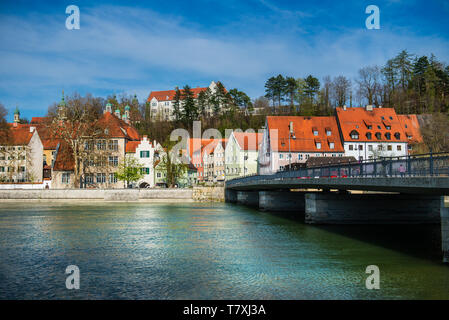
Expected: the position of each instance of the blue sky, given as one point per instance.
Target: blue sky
(140, 46)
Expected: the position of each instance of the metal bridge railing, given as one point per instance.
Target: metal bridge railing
(422, 165)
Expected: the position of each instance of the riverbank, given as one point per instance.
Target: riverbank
(200, 194)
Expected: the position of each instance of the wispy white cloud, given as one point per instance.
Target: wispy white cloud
(138, 50)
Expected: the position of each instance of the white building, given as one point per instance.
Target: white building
(21, 154)
(293, 139)
(161, 102)
(241, 154)
(369, 132)
(144, 152)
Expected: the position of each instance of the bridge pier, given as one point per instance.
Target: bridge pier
(285, 201)
(248, 198)
(332, 208)
(445, 231)
(230, 196)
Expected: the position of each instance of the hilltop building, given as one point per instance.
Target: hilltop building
(161, 102)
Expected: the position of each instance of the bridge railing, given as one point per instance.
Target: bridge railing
(409, 166)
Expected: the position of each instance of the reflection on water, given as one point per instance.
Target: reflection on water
(208, 251)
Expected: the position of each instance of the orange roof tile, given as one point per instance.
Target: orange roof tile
(64, 158)
(131, 146)
(304, 139)
(370, 122)
(411, 127)
(18, 136)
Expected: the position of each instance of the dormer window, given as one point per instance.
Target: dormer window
(383, 118)
(315, 131)
(318, 145)
(331, 145)
(397, 135)
(369, 127)
(378, 135)
(328, 132)
(378, 127)
(388, 136)
(354, 135)
(369, 136)
(391, 118)
(388, 127)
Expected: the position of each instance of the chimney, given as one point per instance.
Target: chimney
(369, 107)
(290, 127)
(344, 107)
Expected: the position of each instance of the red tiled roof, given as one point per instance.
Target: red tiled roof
(169, 95)
(64, 158)
(305, 140)
(16, 136)
(131, 146)
(358, 119)
(38, 120)
(117, 128)
(411, 127)
(248, 141)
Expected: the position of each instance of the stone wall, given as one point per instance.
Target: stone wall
(99, 194)
(208, 194)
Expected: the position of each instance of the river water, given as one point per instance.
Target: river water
(208, 251)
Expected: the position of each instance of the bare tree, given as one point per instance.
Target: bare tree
(369, 89)
(341, 90)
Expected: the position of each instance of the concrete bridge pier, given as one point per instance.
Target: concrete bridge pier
(445, 231)
(230, 196)
(333, 208)
(282, 201)
(248, 198)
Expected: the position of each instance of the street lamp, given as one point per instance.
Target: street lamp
(290, 135)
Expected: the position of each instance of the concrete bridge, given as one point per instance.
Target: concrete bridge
(388, 191)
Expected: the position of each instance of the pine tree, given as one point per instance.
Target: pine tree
(177, 105)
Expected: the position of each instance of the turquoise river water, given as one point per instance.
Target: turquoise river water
(208, 251)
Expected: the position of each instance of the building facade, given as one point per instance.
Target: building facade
(369, 133)
(241, 154)
(294, 139)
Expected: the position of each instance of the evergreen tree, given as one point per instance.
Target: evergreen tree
(190, 110)
(177, 105)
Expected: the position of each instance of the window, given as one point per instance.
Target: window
(65, 177)
(378, 135)
(113, 161)
(389, 147)
(383, 118)
(360, 146)
(318, 145)
(154, 104)
(22, 169)
(397, 135)
(354, 134)
(89, 178)
(2, 169)
(328, 132)
(370, 148)
(388, 136)
(315, 132)
(369, 127)
(158, 174)
(369, 136)
(379, 147)
(399, 148)
(112, 178)
(113, 145)
(331, 145)
(145, 170)
(144, 154)
(299, 156)
(281, 156)
(388, 127)
(101, 177)
(101, 144)
(351, 147)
